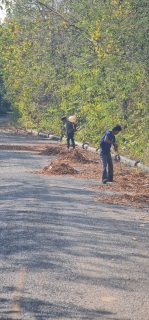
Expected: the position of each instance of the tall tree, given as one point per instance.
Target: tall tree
(87, 57)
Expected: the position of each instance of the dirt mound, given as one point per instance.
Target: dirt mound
(59, 168)
(74, 156)
(51, 151)
(67, 155)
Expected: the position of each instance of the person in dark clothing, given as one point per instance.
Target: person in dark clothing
(69, 132)
(107, 141)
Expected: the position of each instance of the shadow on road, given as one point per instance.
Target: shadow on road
(71, 246)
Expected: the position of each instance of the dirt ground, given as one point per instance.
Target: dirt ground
(131, 186)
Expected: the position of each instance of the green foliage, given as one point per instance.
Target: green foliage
(4, 104)
(83, 57)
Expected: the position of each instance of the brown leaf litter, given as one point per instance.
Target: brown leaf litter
(18, 147)
(131, 188)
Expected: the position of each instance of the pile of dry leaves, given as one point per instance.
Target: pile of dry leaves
(131, 186)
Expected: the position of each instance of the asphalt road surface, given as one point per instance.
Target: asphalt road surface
(63, 254)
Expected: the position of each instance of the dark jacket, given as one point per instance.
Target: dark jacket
(69, 127)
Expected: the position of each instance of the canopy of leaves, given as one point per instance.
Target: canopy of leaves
(84, 57)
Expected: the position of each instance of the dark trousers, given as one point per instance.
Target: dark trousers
(70, 136)
(107, 163)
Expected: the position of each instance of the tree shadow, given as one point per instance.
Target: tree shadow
(54, 223)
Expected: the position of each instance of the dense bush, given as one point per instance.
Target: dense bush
(83, 57)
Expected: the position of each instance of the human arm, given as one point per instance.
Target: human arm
(106, 139)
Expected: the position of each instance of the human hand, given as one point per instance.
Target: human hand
(115, 147)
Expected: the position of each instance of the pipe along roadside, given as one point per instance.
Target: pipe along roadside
(127, 161)
(85, 145)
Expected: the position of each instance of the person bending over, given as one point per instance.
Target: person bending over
(107, 141)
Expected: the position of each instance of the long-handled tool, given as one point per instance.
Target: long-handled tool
(118, 159)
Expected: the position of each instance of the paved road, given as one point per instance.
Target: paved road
(63, 255)
(5, 117)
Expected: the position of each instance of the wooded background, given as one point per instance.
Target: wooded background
(89, 58)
